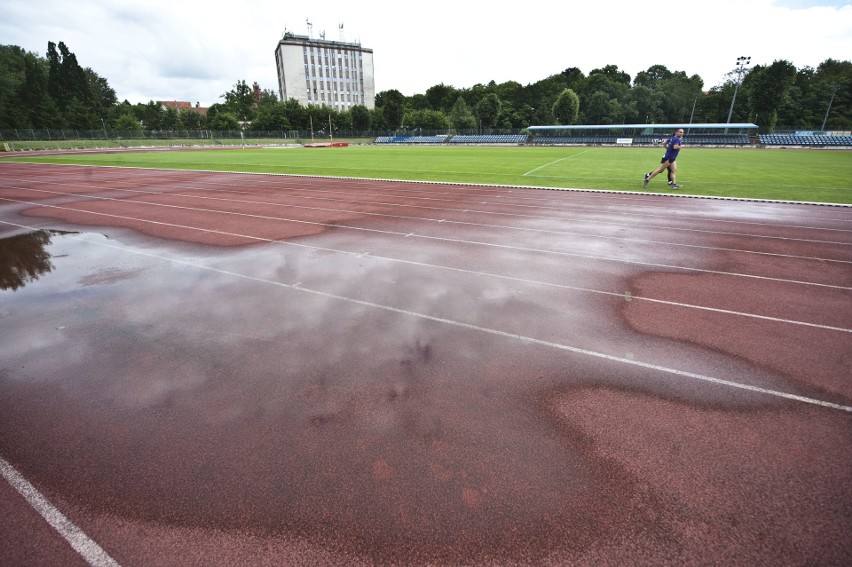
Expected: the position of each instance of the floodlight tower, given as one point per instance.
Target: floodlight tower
(742, 63)
(827, 110)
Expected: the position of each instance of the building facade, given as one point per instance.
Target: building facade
(321, 72)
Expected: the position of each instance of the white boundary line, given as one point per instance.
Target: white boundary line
(555, 161)
(496, 332)
(644, 241)
(409, 195)
(454, 183)
(76, 538)
(394, 233)
(493, 275)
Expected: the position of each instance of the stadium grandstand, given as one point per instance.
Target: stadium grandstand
(710, 134)
(437, 139)
(807, 138)
(489, 139)
(704, 134)
(698, 134)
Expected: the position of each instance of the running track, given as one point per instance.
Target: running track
(224, 369)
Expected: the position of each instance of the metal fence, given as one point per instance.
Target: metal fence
(31, 134)
(66, 134)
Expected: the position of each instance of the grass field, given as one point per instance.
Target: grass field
(796, 175)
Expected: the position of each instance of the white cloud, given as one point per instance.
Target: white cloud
(196, 51)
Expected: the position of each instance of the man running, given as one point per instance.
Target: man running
(673, 146)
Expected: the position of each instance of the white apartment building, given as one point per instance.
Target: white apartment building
(317, 72)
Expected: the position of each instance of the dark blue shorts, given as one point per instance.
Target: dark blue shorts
(665, 159)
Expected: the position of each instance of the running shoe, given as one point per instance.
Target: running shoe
(645, 184)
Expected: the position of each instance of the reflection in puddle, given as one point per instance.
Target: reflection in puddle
(23, 258)
(279, 411)
(209, 388)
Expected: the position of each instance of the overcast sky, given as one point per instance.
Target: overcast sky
(196, 50)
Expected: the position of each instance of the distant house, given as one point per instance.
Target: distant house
(179, 105)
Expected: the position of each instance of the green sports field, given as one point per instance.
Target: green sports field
(796, 175)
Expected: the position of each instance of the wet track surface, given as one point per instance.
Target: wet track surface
(219, 369)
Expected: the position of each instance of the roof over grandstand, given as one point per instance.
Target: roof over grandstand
(707, 125)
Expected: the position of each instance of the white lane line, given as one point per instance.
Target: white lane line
(556, 161)
(496, 332)
(76, 538)
(475, 187)
(414, 235)
(434, 220)
(336, 198)
(526, 281)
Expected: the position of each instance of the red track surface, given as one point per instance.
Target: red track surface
(232, 369)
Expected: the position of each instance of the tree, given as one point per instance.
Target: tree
(418, 102)
(643, 105)
(392, 105)
(240, 101)
(225, 121)
(566, 109)
(441, 97)
(55, 91)
(128, 123)
(652, 77)
(153, 116)
(574, 79)
(80, 117)
(833, 94)
(461, 118)
(296, 114)
(190, 120)
(767, 89)
(265, 97)
(271, 117)
(169, 119)
(377, 120)
(360, 118)
(679, 94)
(67, 81)
(488, 109)
(103, 96)
(426, 120)
(601, 109)
(24, 98)
(510, 93)
(608, 80)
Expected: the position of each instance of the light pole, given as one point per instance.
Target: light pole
(742, 63)
(827, 110)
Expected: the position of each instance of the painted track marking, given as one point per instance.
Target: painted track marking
(487, 330)
(428, 219)
(76, 538)
(462, 270)
(423, 236)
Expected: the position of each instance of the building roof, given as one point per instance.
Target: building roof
(183, 105)
(695, 125)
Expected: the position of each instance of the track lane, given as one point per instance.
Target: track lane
(452, 443)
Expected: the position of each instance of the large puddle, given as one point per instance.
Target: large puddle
(181, 391)
(265, 390)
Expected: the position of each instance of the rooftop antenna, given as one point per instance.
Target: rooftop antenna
(340, 32)
(322, 34)
(310, 28)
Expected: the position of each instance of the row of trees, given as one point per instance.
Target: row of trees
(57, 92)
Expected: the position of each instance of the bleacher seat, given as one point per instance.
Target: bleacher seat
(794, 140)
(489, 139)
